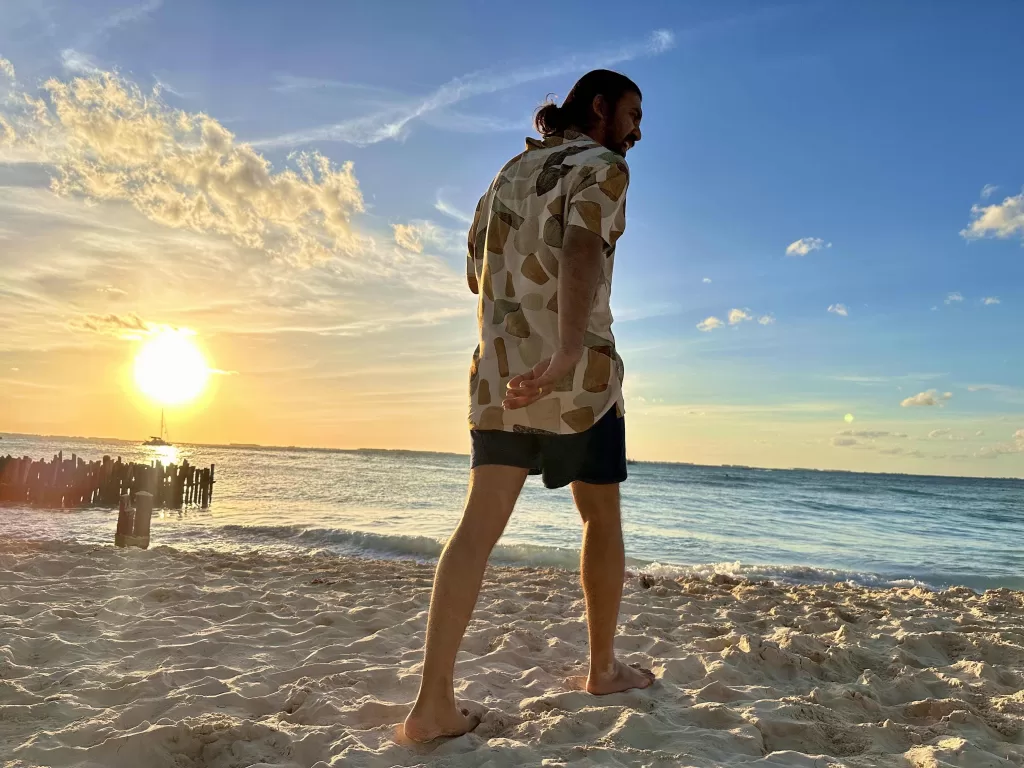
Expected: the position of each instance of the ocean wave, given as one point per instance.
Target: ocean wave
(368, 544)
(782, 574)
(423, 548)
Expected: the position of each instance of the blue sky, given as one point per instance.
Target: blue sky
(877, 142)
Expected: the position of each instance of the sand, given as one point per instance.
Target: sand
(167, 658)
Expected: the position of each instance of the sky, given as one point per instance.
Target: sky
(823, 264)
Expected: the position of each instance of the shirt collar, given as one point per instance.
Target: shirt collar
(556, 140)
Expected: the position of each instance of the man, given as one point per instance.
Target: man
(541, 250)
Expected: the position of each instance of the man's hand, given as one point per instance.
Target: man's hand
(529, 387)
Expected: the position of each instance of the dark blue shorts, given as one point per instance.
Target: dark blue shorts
(597, 456)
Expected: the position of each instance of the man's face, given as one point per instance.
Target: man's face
(622, 128)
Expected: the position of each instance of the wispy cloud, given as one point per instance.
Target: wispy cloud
(839, 309)
(77, 59)
(988, 301)
(709, 324)
(929, 398)
(122, 17)
(78, 63)
(408, 236)
(806, 245)
(7, 69)
(872, 434)
(898, 450)
(421, 234)
(1002, 392)
(954, 298)
(845, 442)
(909, 377)
(706, 281)
(391, 123)
(988, 190)
(1000, 220)
(768, 319)
(287, 83)
(110, 324)
(451, 211)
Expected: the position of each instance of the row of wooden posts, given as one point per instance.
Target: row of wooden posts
(69, 483)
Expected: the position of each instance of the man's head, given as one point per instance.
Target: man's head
(603, 104)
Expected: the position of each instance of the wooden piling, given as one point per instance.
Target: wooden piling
(125, 522)
(69, 483)
(143, 520)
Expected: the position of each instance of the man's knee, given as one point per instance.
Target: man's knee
(598, 504)
(492, 496)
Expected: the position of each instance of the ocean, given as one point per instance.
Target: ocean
(782, 525)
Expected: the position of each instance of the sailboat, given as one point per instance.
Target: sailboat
(160, 439)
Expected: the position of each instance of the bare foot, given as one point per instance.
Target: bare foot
(621, 678)
(424, 726)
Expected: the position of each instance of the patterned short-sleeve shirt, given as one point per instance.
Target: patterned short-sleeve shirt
(515, 249)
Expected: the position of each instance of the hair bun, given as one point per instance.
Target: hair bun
(549, 119)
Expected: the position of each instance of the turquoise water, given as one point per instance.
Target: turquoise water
(788, 525)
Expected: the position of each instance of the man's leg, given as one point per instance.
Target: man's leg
(493, 491)
(602, 568)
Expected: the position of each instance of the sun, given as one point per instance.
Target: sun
(171, 369)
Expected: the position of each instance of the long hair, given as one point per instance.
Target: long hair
(576, 111)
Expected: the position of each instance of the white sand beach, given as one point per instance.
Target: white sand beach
(165, 658)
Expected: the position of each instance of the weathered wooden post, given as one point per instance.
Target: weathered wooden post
(143, 518)
(125, 521)
(204, 499)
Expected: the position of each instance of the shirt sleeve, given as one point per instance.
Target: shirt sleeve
(598, 203)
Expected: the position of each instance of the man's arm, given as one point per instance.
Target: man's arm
(578, 275)
(471, 275)
(473, 244)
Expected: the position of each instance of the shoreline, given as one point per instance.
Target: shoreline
(170, 657)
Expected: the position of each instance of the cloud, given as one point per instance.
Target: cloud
(839, 309)
(391, 123)
(421, 235)
(954, 297)
(844, 442)
(111, 325)
(1019, 434)
(766, 319)
(805, 245)
(929, 398)
(108, 141)
(408, 236)
(1002, 220)
(988, 301)
(897, 450)
(871, 434)
(979, 433)
(124, 16)
(1001, 449)
(451, 211)
(79, 63)
(737, 316)
(709, 324)
(7, 69)
(285, 83)
(944, 434)
(706, 281)
(988, 190)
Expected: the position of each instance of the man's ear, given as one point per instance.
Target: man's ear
(598, 109)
